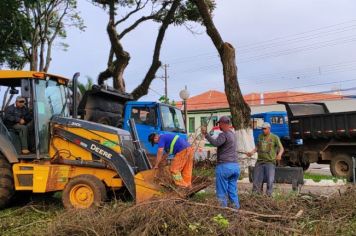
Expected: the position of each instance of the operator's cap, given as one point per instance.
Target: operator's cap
(266, 125)
(224, 119)
(20, 99)
(151, 138)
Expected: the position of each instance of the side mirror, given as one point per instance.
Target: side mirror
(25, 88)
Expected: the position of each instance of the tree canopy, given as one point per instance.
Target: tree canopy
(165, 13)
(12, 26)
(30, 28)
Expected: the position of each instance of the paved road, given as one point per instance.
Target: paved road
(319, 169)
(286, 188)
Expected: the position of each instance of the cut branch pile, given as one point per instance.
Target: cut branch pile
(259, 215)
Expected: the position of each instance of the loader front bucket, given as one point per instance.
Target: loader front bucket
(147, 185)
(156, 183)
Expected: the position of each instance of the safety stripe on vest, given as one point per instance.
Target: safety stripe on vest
(173, 143)
(177, 177)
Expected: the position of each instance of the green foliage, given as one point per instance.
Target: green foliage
(32, 218)
(84, 87)
(203, 195)
(280, 196)
(221, 221)
(29, 29)
(318, 178)
(162, 99)
(188, 11)
(194, 227)
(15, 28)
(204, 172)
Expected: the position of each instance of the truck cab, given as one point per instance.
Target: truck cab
(278, 121)
(154, 117)
(108, 106)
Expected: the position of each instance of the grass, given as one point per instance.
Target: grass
(204, 172)
(318, 177)
(202, 195)
(29, 216)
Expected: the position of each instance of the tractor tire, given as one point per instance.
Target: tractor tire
(84, 191)
(7, 188)
(341, 166)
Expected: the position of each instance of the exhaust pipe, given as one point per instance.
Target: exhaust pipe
(75, 94)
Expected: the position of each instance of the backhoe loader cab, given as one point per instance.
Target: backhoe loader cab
(81, 158)
(45, 96)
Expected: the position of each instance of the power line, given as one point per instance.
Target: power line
(155, 91)
(342, 27)
(301, 33)
(287, 96)
(310, 76)
(313, 46)
(316, 85)
(321, 69)
(276, 41)
(297, 40)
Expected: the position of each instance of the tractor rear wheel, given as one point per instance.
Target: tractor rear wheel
(84, 191)
(7, 188)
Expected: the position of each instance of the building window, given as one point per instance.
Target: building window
(215, 120)
(203, 121)
(191, 125)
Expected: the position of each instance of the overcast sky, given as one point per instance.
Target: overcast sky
(304, 45)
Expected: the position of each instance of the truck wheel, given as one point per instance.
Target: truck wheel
(7, 188)
(84, 191)
(341, 166)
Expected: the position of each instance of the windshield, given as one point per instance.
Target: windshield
(172, 119)
(51, 100)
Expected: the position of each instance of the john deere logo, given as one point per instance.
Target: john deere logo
(108, 143)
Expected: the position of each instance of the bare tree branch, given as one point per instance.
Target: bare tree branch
(138, 8)
(142, 89)
(142, 19)
(55, 33)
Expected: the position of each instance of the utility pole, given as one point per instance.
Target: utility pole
(165, 66)
(165, 79)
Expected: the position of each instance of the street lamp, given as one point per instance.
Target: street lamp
(184, 95)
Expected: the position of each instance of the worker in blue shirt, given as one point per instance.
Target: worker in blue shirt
(182, 164)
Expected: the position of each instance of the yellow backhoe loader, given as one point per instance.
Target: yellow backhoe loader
(83, 159)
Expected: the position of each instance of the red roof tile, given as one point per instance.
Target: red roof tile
(213, 99)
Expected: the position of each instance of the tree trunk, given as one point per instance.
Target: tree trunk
(115, 68)
(240, 110)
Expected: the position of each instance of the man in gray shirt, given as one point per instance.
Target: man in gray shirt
(227, 170)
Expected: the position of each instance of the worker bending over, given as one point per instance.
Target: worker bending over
(182, 164)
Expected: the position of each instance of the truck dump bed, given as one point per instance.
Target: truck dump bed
(314, 121)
